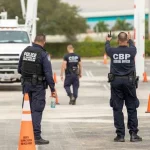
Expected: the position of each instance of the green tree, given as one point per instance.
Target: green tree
(122, 25)
(146, 28)
(60, 18)
(13, 8)
(55, 17)
(101, 27)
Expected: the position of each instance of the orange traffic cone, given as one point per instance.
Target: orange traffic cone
(105, 58)
(148, 106)
(26, 140)
(55, 78)
(145, 77)
(57, 101)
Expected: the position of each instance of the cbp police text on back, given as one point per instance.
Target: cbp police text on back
(121, 58)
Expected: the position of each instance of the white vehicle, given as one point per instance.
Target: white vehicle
(14, 38)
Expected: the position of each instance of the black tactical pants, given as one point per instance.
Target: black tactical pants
(37, 104)
(122, 90)
(73, 80)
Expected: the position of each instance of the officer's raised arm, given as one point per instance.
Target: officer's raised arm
(107, 45)
(130, 41)
(47, 68)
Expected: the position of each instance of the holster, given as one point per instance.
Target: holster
(22, 81)
(137, 81)
(74, 70)
(134, 79)
(111, 77)
(40, 80)
(45, 84)
(34, 80)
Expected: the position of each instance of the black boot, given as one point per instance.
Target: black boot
(41, 142)
(135, 138)
(74, 101)
(119, 139)
(71, 99)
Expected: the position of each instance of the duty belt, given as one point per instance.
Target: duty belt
(121, 76)
(33, 80)
(111, 77)
(27, 79)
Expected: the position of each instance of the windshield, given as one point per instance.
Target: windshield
(14, 37)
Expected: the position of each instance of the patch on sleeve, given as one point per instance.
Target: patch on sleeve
(48, 57)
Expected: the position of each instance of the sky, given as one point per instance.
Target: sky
(103, 5)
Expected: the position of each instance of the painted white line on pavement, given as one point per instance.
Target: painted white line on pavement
(87, 73)
(98, 63)
(105, 86)
(82, 120)
(91, 74)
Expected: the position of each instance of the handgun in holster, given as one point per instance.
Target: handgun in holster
(44, 82)
(111, 77)
(136, 79)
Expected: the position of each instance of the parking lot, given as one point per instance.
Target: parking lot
(86, 126)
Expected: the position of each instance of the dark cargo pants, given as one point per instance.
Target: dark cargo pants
(37, 104)
(122, 90)
(73, 80)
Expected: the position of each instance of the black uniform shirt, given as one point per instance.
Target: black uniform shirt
(46, 63)
(72, 60)
(122, 58)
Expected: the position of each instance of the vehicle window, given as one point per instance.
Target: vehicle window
(14, 37)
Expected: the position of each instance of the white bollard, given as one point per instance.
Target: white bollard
(139, 29)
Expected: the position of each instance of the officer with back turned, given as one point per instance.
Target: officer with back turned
(122, 78)
(36, 71)
(73, 71)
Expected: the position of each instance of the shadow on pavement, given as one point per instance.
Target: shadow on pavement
(10, 87)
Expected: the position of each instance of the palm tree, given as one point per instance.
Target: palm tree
(122, 25)
(101, 27)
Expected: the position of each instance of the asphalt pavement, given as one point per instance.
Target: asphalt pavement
(86, 126)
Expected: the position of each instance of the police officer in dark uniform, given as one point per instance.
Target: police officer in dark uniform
(123, 85)
(73, 71)
(36, 71)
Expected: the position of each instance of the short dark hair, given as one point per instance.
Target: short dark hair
(122, 36)
(40, 38)
(70, 46)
